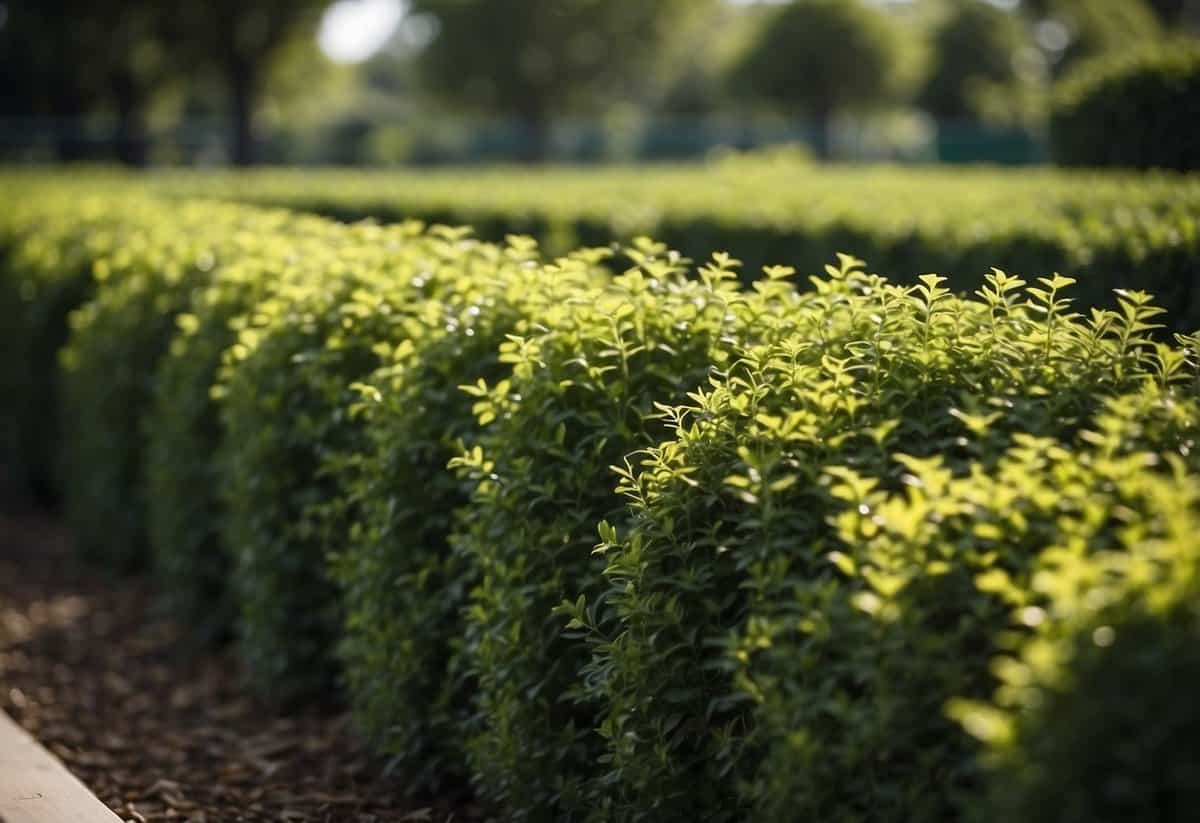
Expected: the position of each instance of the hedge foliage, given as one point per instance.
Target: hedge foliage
(110, 365)
(1107, 230)
(183, 431)
(746, 594)
(646, 546)
(1089, 722)
(581, 394)
(404, 671)
(48, 246)
(1135, 109)
(285, 410)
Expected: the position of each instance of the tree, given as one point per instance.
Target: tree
(240, 40)
(698, 58)
(534, 60)
(78, 57)
(69, 59)
(1090, 28)
(822, 57)
(975, 47)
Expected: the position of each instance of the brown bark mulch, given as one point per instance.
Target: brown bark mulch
(91, 669)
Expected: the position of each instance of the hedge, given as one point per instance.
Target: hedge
(1107, 230)
(404, 675)
(864, 549)
(1090, 722)
(109, 364)
(581, 394)
(1136, 109)
(285, 395)
(182, 428)
(742, 593)
(48, 245)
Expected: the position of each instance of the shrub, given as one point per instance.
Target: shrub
(1108, 230)
(109, 364)
(875, 551)
(581, 395)
(49, 243)
(918, 622)
(182, 428)
(403, 588)
(1093, 720)
(732, 653)
(286, 412)
(1137, 109)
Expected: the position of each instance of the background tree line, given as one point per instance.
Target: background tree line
(534, 62)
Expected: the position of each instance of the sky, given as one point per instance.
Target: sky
(353, 30)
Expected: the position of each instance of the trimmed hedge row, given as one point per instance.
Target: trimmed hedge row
(582, 394)
(865, 550)
(402, 654)
(48, 247)
(1136, 110)
(183, 430)
(780, 581)
(1109, 230)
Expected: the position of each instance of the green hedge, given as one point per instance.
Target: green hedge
(747, 592)
(403, 586)
(183, 432)
(285, 397)
(1107, 230)
(110, 364)
(581, 394)
(49, 243)
(865, 550)
(1136, 109)
(1093, 720)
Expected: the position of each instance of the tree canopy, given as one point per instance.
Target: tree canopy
(974, 47)
(822, 57)
(69, 58)
(535, 59)
(1090, 28)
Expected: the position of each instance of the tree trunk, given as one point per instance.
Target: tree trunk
(535, 134)
(822, 134)
(66, 109)
(243, 93)
(132, 148)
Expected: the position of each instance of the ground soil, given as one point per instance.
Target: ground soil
(94, 672)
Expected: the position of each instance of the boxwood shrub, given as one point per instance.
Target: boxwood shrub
(287, 410)
(109, 362)
(183, 432)
(402, 586)
(874, 551)
(1092, 720)
(1136, 109)
(921, 621)
(750, 657)
(1107, 229)
(581, 395)
(48, 243)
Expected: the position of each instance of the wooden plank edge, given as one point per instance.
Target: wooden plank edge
(35, 787)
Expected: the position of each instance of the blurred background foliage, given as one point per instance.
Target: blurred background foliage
(452, 81)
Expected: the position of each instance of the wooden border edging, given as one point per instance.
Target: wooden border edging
(36, 788)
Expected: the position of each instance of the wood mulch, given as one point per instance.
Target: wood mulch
(91, 670)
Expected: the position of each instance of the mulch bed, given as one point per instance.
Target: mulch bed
(98, 677)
